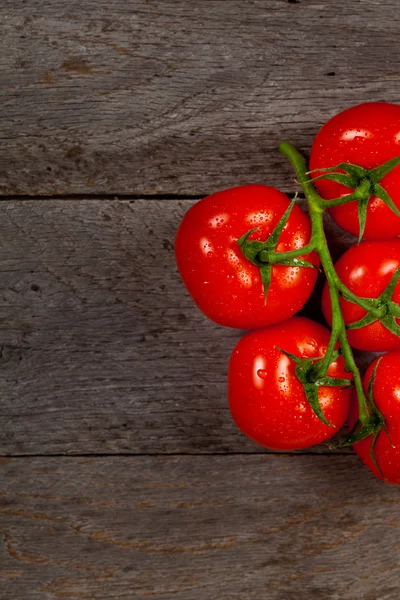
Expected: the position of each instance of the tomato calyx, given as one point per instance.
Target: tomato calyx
(372, 425)
(264, 255)
(382, 309)
(308, 372)
(365, 183)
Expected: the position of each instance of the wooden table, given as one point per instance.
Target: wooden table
(122, 474)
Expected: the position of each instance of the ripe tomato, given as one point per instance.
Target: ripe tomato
(386, 394)
(366, 269)
(225, 285)
(367, 135)
(268, 402)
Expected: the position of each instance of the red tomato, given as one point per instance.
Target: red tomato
(366, 269)
(366, 135)
(268, 402)
(225, 285)
(386, 394)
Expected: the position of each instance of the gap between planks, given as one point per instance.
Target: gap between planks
(194, 454)
(125, 197)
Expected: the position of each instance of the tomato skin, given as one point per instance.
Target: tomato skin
(266, 399)
(366, 269)
(224, 284)
(367, 135)
(386, 393)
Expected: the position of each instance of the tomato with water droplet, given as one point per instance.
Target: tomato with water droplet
(386, 396)
(367, 135)
(366, 270)
(268, 402)
(224, 284)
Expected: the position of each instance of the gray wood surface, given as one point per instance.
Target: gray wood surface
(121, 113)
(179, 97)
(102, 349)
(190, 528)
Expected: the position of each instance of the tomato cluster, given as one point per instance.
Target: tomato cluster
(239, 254)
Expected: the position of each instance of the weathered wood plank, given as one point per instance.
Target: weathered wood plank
(179, 96)
(218, 528)
(102, 350)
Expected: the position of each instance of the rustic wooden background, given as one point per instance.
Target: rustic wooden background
(122, 475)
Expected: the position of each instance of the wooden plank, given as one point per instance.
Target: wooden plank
(102, 350)
(221, 528)
(168, 97)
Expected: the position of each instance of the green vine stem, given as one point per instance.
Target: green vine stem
(310, 372)
(317, 207)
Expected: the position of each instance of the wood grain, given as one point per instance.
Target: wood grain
(215, 528)
(179, 97)
(102, 350)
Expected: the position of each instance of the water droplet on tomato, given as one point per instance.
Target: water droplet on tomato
(262, 373)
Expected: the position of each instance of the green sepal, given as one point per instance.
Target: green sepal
(327, 169)
(273, 238)
(342, 178)
(366, 303)
(333, 382)
(362, 216)
(293, 357)
(371, 386)
(296, 262)
(265, 272)
(353, 177)
(371, 400)
(394, 309)
(382, 194)
(379, 172)
(356, 435)
(378, 415)
(323, 169)
(367, 320)
(373, 425)
(353, 170)
(306, 366)
(251, 249)
(372, 453)
(246, 235)
(382, 309)
(389, 322)
(335, 355)
(387, 294)
(311, 392)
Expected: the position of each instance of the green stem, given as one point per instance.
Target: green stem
(351, 366)
(324, 365)
(274, 257)
(360, 193)
(318, 241)
(366, 303)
